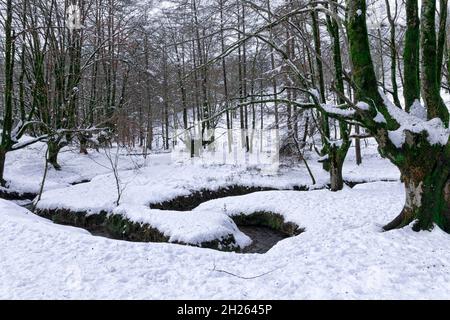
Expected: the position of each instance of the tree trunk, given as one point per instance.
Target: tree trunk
(272, 65)
(392, 45)
(443, 4)
(324, 123)
(336, 180)
(2, 167)
(337, 151)
(411, 90)
(427, 197)
(6, 138)
(430, 87)
(53, 151)
(448, 63)
(8, 84)
(358, 146)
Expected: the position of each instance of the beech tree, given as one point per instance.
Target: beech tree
(420, 148)
(416, 142)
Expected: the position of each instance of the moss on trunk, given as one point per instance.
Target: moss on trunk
(425, 171)
(424, 167)
(411, 90)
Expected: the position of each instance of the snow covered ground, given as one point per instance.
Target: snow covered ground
(163, 180)
(342, 254)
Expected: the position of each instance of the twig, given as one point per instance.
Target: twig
(241, 277)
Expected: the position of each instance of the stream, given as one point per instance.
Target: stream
(263, 237)
(264, 228)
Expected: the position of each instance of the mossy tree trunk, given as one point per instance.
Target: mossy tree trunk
(337, 151)
(7, 123)
(336, 164)
(427, 187)
(324, 121)
(424, 166)
(429, 83)
(411, 90)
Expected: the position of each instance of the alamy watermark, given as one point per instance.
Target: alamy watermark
(249, 147)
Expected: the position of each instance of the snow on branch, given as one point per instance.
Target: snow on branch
(27, 142)
(436, 132)
(336, 111)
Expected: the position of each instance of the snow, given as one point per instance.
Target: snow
(434, 128)
(342, 255)
(186, 227)
(337, 111)
(362, 105)
(24, 168)
(163, 180)
(379, 118)
(418, 110)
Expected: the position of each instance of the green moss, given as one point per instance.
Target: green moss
(268, 219)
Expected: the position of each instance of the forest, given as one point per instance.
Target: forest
(224, 149)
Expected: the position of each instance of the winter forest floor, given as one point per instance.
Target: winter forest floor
(341, 252)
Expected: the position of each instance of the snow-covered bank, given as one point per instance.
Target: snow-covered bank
(342, 254)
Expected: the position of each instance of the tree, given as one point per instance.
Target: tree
(411, 90)
(419, 147)
(424, 163)
(7, 134)
(392, 44)
(337, 150)
(12, 130)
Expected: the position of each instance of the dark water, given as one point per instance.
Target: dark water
(263, 238)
